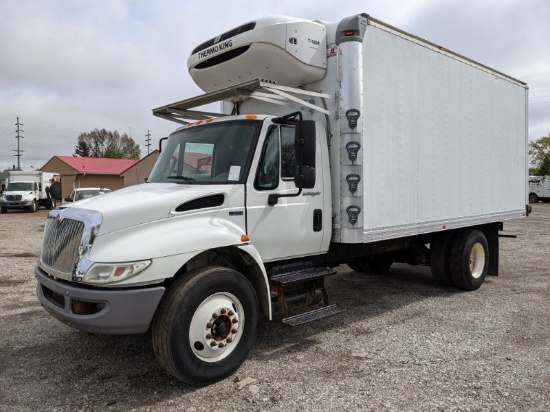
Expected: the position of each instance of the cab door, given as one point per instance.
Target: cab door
(293, 227)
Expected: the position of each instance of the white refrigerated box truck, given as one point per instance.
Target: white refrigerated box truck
(28, 190)
(336, 143)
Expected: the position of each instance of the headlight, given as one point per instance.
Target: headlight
(114, 272)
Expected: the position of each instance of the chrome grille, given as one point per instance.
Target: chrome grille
(62, 240)
(13, 197)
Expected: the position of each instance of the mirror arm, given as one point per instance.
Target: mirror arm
(273, 198)
(160, 143)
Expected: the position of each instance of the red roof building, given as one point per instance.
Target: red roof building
(96, 165)
(77, 172)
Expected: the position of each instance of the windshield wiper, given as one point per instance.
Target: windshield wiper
(184, 178)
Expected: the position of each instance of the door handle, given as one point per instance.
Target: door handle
(317, 220)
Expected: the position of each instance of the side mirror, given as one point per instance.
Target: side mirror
(308, 177)
(305, 154)
(68, 199)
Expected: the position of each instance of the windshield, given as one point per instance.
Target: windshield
(19, 187)
(214, 153)
(85, 194)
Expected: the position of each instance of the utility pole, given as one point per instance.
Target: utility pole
(18, 152)
(148, 140)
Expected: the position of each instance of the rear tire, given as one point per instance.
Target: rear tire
(440, 259)
(205, 325)
(469, 259)
(533, 198)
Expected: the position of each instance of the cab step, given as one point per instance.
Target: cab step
(312, 315)
(302, 275)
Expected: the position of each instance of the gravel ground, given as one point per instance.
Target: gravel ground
(402, 343)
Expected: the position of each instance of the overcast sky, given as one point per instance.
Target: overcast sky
(68, 66)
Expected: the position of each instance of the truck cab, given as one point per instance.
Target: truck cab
(243, 162)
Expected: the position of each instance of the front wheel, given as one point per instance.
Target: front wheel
(206, 325)
(533, 198)
(4, 210)
(34, 207)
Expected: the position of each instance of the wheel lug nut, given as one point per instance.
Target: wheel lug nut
(223, 311)
(229, 340)
(213, 344)
(208, 325)
(235, 321)
(230, 313)
(214, 316)
(234, 330)
(209, 336)
(221, 345)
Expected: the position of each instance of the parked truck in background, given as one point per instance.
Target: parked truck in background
(29, 191)
(539, 189)
(336, 143)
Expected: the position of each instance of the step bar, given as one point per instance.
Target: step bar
(312, 315)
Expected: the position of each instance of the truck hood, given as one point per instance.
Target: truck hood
(19, 192)
(145, 203)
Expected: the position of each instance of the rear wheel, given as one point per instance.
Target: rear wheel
(469, 260)
(206, 325)
(440, 255)
(533, 198)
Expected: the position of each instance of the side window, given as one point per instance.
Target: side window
(267, 176)
(288, 159)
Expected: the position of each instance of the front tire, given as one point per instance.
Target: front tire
(533, 198)
(4, 210)
(206, 325)
(469, 260)
(34, 207)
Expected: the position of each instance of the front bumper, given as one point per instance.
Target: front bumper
(102, 311)
(16, 204)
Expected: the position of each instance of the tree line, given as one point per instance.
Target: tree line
(539, 156)
(104, 143)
